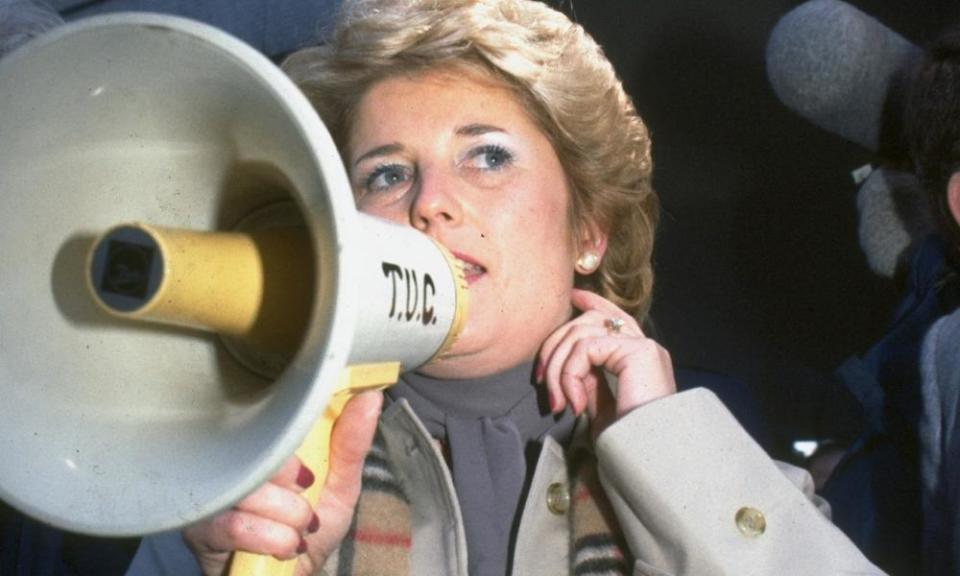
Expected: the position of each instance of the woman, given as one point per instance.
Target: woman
(500, 129)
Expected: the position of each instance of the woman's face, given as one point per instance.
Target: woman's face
(460, 160)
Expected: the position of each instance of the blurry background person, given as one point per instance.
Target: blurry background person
(933, 130)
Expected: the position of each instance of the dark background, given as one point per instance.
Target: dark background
(760, 275)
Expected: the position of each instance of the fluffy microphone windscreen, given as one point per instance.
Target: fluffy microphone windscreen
(837, 67)
(893, 216)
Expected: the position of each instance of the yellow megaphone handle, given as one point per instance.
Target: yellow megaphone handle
(315, 454)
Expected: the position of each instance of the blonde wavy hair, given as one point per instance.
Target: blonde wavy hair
(556, 70)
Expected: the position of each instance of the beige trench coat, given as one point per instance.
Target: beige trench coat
(694, 494)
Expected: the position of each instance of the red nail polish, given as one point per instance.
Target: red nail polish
(302, 547)
(314, 524)
(305, 477)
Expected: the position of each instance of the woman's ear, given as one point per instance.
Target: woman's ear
(591, 246)
(953, 196)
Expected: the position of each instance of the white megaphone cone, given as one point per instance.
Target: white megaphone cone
(115, 427)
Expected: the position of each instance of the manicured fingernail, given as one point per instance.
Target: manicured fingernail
(302, 547)
(314, 524)
(305, 477)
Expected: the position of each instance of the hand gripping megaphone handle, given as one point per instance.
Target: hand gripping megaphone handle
(315, 454)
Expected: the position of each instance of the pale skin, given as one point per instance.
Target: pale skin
(476, 173)
(953, 196)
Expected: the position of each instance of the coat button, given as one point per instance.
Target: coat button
(750, 522)
(558, 498)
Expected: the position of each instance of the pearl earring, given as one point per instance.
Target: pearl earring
(587, 262)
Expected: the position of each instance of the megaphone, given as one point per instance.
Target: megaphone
(125, 138)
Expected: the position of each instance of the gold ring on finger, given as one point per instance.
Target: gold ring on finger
(614, 325)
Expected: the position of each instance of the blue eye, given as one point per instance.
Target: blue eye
(385, 177)
(490, 157)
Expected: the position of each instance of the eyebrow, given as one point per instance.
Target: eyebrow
(477, 129)
(384, 150)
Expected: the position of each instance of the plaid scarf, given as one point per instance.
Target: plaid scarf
(380, 537)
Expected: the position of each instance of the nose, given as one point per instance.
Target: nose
(437, 202)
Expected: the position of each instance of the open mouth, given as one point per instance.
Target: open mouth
(471, 269)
